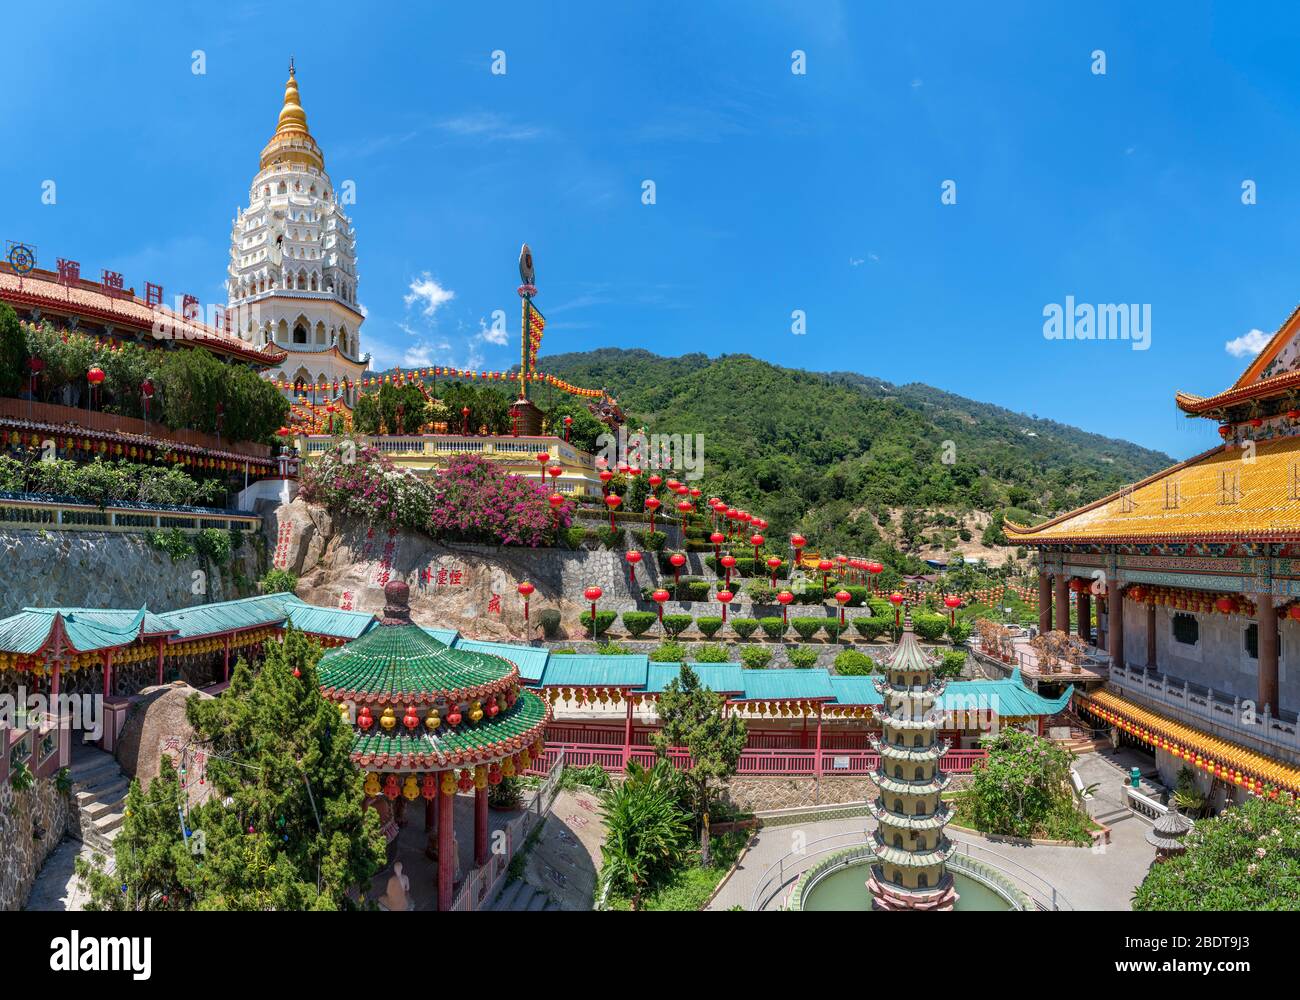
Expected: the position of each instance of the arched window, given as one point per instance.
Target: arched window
(898, 771)
(920, 774)
(922, 881)
(898, 840)
(299, 334)
(898, 805)
(920, 808)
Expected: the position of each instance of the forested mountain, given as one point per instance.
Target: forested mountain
(837, 453)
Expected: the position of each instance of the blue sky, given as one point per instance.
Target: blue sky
(775, 192)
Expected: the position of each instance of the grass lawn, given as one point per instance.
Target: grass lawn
(693, 885)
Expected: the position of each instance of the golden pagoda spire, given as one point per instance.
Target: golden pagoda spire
(292, 116)
(292, 142)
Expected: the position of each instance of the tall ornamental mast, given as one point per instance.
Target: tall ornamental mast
(525, 416)
(911, 850)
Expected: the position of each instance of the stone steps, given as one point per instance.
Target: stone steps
(518, 897)
(99, 788)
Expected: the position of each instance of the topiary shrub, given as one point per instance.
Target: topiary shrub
(930, 627)
(710, 652)
(745, 627)
(650, 541)
(755, 657)
(604, 619)
(708, 625)
(851, 663)
(832, 629)
(800, 657)
(550, 622)
(574, 537)
(807, 627)
(760, 592)
(668, 652)
(612, 649)
(696, 590)
(675, 625)
(638, 622)
(870, 628)
(609, 538)
(773, 628)
(959, 631)
(954, 660)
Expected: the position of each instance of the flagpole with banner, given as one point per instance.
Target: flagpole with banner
(526, 417)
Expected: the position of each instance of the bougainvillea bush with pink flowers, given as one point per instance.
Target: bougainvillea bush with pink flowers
(472, 501)
(476, 501)
(354, 480)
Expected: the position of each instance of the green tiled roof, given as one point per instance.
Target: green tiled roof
(400, 661)
(446, 636)
(87, 630)
(227, 616)
(512, 730)
(813, 682)
(592, 670)
(333, 622)
(908, 654)
(724, 678)
(531, 660)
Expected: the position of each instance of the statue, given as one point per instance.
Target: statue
(396, 897)
(526, 274)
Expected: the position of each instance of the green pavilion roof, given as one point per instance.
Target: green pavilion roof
(908, 654)
(87, 630)
(403, 662)
(512, 730)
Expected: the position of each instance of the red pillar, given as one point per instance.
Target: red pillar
(627, 733)
(1062, 603)
(160, 660)
(817, 754)
(108, 673)
(1044, 601)
(225, 665)
(1266, 620)
(1115, 624)
(1085, 616)
(1151, 636)
(481, 826)
(446, 846)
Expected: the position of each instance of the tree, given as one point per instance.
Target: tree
(1022, 789)
(13, 352)
(646, 832)
(691, 716)
(1246, 858)
(154, 867)
(285, 827)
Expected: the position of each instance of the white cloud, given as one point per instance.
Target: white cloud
(427, 291)
(490, 126)
(1248, 344)
(492, 334)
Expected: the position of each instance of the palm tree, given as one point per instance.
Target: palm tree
(647, 833)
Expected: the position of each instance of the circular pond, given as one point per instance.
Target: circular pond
(840, 884)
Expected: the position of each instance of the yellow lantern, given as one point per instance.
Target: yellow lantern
(480, 777)
(372, 784)
(389, 719)
(508, 767)
(410, 788)
(448, 783)
(433, 720)
(475, 714)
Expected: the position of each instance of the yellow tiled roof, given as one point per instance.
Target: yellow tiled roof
(1210, 748)
(1217, 496)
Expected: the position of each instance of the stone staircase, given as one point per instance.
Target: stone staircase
(519, 896)
(99, 789)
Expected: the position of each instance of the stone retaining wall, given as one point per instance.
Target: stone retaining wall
(40, 809)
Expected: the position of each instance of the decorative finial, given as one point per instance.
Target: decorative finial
(291, 65)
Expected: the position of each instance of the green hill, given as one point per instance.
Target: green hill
(837, 453)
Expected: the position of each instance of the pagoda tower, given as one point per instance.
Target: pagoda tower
(430, 721)
(292, 276)
(909, 843)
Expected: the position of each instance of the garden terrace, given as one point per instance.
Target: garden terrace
(120, 315)
(34, 510)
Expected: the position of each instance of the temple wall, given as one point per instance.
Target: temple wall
(1219, 659)
(32, 822)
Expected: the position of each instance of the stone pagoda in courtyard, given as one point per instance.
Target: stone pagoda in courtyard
(911, 849)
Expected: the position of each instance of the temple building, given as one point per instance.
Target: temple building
(292, 278)
(1196, 575)
(910, 846)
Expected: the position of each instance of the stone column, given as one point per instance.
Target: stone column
(480, 826)
(1044, 601)
(1062, 603)
(1085, 616)
(1266, 619)
(1151, 637)
(446, 844)
(1115, 624)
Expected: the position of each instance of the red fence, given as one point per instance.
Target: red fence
(759, 739)
(752, 762)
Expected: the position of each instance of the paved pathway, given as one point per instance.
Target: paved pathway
(1100, 879)
(56, 887)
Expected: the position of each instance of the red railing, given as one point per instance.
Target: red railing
(773, 739)
(807, 763)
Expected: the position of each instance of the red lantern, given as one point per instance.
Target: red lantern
(784, 598)
(652, 505)
(391, 791)
(756, 540)
(728, 562)
(896, 599)
(952, 602)
(410, 720)
(612, 501)
(678, 560)
(526, 591)
(659, 597)
(429, 787)
(724, 597)
(593, 594)
(95, 375)
(825, 565)
(842, 597)
(633, 557)
(654, 479)
(774, 564)
(1226, 604)
(874, 568)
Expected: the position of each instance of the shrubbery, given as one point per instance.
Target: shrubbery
(851, 663)
(103, 483)
(807, 627)
(650, 541)
(930, 627)
(953, 662)
(773, 628)
(638, 622)
(279, 581)
(668, 652)
(760, 592)
(708, 625)
(604, 619)
(710, 652)
(745, 627)
(675, 625)
(550, 622)
(800, 657)
(870, 628)
(755, 657)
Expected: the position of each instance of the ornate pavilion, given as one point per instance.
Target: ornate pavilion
(909, 843)
(431, 720)
(1196, 574)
